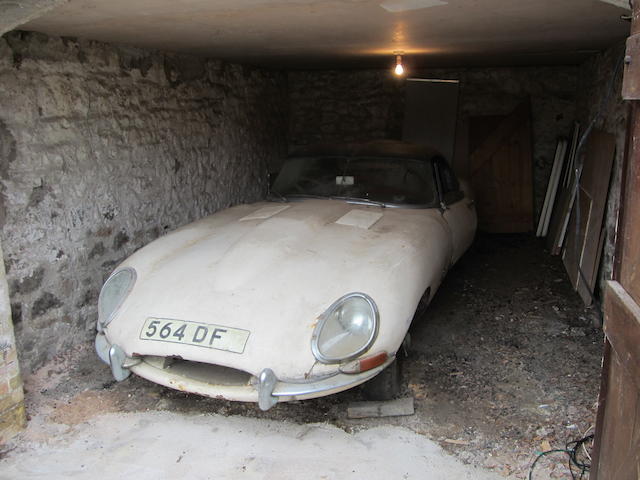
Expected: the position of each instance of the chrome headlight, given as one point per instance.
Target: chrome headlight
(346, 330)
(113, 294)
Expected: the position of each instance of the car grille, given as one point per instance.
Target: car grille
(201, 372)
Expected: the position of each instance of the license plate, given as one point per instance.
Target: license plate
(198, 334)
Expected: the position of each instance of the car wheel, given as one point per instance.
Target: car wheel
(422, 305)
(386, 385)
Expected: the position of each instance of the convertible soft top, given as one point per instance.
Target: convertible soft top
(375, 148)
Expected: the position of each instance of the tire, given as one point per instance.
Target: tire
(422, 305)
(386, 385)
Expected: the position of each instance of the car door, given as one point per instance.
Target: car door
(457, 208)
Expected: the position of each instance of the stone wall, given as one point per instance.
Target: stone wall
(12, 414)
(369, 104)
(103, 149)
(600, 100)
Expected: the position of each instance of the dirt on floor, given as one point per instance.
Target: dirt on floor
(504, 364)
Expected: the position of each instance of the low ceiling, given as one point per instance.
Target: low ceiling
(353, 33)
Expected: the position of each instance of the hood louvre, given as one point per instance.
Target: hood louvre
(364, 219)
(264, 212)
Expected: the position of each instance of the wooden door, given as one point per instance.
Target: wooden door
(617, 438)
(501, 171)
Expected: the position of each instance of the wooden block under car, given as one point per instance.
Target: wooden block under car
(391, 408)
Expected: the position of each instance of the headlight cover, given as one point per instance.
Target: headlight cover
(346, 330)
(113, 294)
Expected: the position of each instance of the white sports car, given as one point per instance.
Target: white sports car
(306, 295)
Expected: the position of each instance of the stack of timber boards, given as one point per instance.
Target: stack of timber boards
(583, 245)
(560, 214)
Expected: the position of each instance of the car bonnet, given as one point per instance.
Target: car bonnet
(271, 269)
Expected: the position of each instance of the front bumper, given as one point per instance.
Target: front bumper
(266, 389)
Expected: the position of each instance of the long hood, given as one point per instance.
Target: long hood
(272, 268)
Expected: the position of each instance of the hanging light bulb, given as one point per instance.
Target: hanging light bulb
(399, 70)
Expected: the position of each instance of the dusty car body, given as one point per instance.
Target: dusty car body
(300, 297)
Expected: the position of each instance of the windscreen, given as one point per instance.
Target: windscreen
(397, 181)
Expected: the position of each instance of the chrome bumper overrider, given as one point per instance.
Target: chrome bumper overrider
(267, 390)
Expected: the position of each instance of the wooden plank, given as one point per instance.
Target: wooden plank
(574, 246)
(571, 198)
(592, 276)
(559, 222)
(629, 267)
(622, 327)
(583, 234)
(392, 408)
(572, 154)
(554, 189)
(545, 205)
(455, 441)
(597, 179)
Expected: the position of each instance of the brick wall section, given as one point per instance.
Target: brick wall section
(12, 415)
(102, 149)
(369, 104)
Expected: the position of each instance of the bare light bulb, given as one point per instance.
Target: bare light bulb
(399, 70)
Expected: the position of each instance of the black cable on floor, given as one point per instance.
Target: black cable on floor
(571, 449)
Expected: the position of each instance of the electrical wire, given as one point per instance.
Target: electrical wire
(540, 455)
(571, 449)
(573, 456)
(584, 448)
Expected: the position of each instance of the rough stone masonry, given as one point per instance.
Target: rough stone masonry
(12, 413)
(104, 148)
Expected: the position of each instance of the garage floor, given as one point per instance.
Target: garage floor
(505, 363)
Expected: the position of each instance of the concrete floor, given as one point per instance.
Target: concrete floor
(159, 445)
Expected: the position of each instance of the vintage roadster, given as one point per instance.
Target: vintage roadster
(302, 296)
